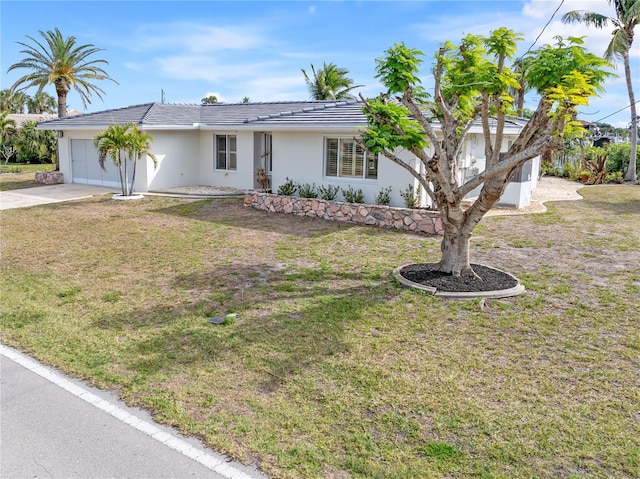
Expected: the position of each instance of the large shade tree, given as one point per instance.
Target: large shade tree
(58, 60)
(124, 144)
(329, 83)
(624, 24)
(471, 84)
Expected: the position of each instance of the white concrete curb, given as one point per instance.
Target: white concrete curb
(213, 463)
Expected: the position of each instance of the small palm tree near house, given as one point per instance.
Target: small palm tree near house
(329, 83)
(124, 144)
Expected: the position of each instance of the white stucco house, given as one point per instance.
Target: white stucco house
(225, 144)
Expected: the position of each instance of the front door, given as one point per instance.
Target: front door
(264, 161)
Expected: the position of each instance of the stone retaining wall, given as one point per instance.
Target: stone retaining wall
(49, 177)
(406, 219)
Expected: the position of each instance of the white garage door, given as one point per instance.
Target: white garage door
(85, 168)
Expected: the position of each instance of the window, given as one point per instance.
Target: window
(226, 155)
(346, 159)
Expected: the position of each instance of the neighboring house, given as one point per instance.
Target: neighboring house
(21, 118)
(225, 144)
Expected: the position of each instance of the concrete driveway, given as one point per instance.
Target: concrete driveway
(41, 195)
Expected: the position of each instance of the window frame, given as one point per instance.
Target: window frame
(340, 164)
(230, 155)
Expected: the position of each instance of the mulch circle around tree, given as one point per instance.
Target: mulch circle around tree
(491, 282)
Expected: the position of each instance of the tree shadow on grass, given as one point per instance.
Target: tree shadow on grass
(288, 321)
(232, 212)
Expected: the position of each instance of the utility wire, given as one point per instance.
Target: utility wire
(617, 111)
(544, 28)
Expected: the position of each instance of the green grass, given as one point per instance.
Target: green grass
(330, 369)
(15, 176)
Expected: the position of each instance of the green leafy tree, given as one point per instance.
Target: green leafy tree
(471, 86)
(124, 144)
(59, 61)
(35, 146)
(208, 100)
(624, 23)
(40, 103)
(329, 83)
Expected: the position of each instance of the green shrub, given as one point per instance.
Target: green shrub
(570, 171)
(615, 177)
(329, 192)
(353, 196)
(288, 188)
(307, 191)
(411, 198)
(384, 196)
(618, 157)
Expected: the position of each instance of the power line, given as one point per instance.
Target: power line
(617, 111)
(545, 27)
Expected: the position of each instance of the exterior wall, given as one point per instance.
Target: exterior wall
(187, 158)
(300, 157)
(242, 178)
(178, 155)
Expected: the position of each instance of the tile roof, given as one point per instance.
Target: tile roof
(216, 114)
(286, 115)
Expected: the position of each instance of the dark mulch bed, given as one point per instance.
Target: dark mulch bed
(490, 279)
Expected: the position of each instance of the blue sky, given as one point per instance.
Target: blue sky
(190, 49)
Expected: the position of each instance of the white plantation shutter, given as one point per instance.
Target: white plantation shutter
(332, 157)
(346, 159)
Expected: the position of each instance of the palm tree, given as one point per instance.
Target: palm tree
(8, 127)
(40, 103)
(12, 102)
(123, 143)
(60, 62)
(138, 147)
(626, 19)
(329, 83)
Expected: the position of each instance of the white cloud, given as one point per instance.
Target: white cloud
(197, 37)
(203, 67)
(312, 9)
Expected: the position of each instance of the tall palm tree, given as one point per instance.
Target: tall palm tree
(123, 143)
(59, 61)
(329, 83)
(626, 19)
(41, 102)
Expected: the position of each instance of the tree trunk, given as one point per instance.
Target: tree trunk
(455, 243)
(455, 254)
(631, 171)
(61, 90)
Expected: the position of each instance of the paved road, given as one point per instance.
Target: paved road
(52, 426)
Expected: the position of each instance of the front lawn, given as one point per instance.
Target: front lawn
(16, 176)
(331, 370)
